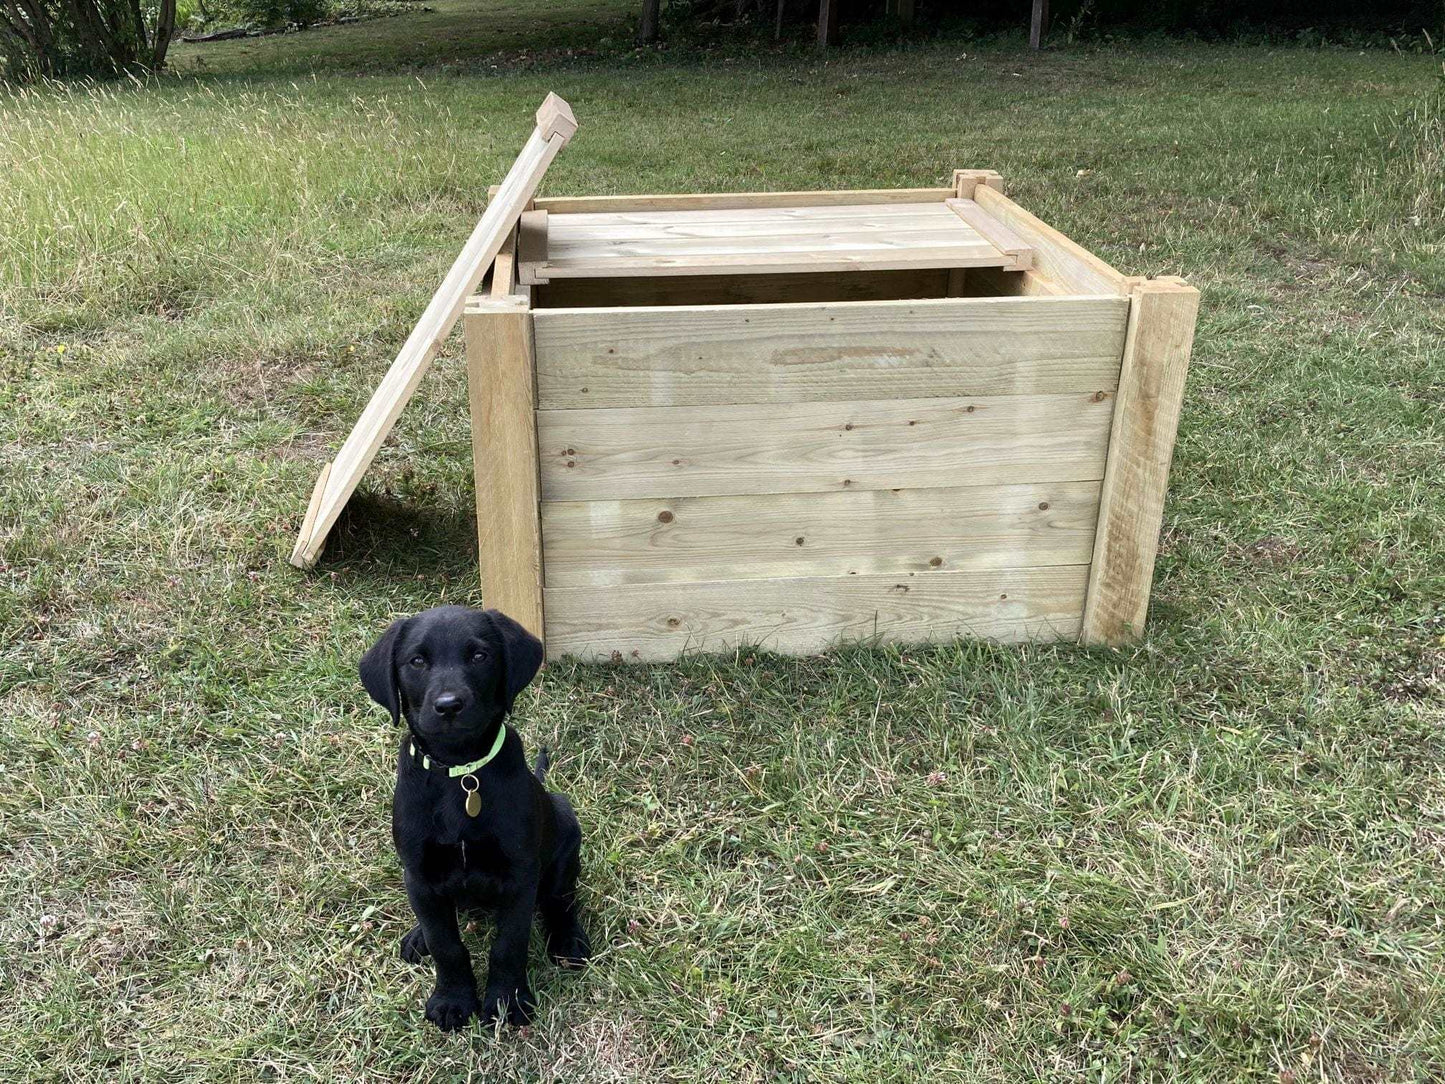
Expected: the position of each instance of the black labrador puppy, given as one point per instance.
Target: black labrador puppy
(472, 826)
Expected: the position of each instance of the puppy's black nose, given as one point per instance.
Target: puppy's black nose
(447, 704)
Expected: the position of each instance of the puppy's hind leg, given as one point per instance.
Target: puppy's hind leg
(413, 946)
(567, 941)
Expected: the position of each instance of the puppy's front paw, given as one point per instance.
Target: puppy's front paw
(413, 946)
(451, 1009)
(515, 1005)
(570, 947)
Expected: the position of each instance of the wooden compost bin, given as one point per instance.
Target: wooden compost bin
(795, 419)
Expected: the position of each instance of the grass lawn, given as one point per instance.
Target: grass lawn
(1219, 855)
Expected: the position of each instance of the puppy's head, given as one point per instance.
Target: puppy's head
(452, 672)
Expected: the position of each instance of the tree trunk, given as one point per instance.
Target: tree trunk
(827, 23)
(1038, 23)
(651, 13)
(165, 28)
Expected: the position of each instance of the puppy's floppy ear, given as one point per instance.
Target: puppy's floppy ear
(521, 656)
(378, 669)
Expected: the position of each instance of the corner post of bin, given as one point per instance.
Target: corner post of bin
(1157, 344)
(966, 181)
(502, 390)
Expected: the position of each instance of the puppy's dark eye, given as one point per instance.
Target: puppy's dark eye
(481, 654)
(418, 661)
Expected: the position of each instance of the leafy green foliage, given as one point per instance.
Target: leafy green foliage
(67, 38)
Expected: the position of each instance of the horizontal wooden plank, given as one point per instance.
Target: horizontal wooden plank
(1055, 256)
(692, 451)
(879, 257)
(643, 622)
(992, 230)
(577, 230)
(843, 351)
(745, 289)
(564, 250)
(723, 200)
(818, 534)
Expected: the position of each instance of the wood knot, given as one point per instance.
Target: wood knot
(1043, 506)
(934, 562)
(673, 622)
(664, 516)
(1100, 396)
(798, 541)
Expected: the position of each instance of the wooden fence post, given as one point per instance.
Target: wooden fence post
(1038, 24)
(502, 387)
(827, 23)
(1136, 473)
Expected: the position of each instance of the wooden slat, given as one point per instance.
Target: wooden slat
(749, 219)
(1056, 257)
(563, 249)
(504, 268)
(745, 289)
(879, 259)
(848, 350)
(532, 242)
(501, 389)
(554, 128)
(643, 622)
(1141, 443)
(818, 534)
(721, 200)
(694, 451)
(995, 232)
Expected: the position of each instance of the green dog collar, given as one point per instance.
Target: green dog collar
(455, 770)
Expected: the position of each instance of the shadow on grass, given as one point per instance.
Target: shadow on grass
(380, 539)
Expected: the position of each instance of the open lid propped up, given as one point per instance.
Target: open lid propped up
(340, 477)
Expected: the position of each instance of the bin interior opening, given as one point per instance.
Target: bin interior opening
(906, 285)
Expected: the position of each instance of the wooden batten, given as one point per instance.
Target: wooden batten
(995, 232)
(1056, 257)
(531, 246)
(1141, 444)
(713, 201)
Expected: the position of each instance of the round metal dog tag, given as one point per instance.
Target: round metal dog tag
(474, 800)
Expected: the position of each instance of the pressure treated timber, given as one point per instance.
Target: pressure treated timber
(965, 181)
(750, 221)
(645, 622)
(1141, 443)
(995, 232)
(848, 350)
(1070, 265)
(818, 534)
(691, 451)
(855, 237)
(501, 389)
(554, 128)
(725, 200)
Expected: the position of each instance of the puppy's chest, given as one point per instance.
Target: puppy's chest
(460, 854)
(474, 866)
